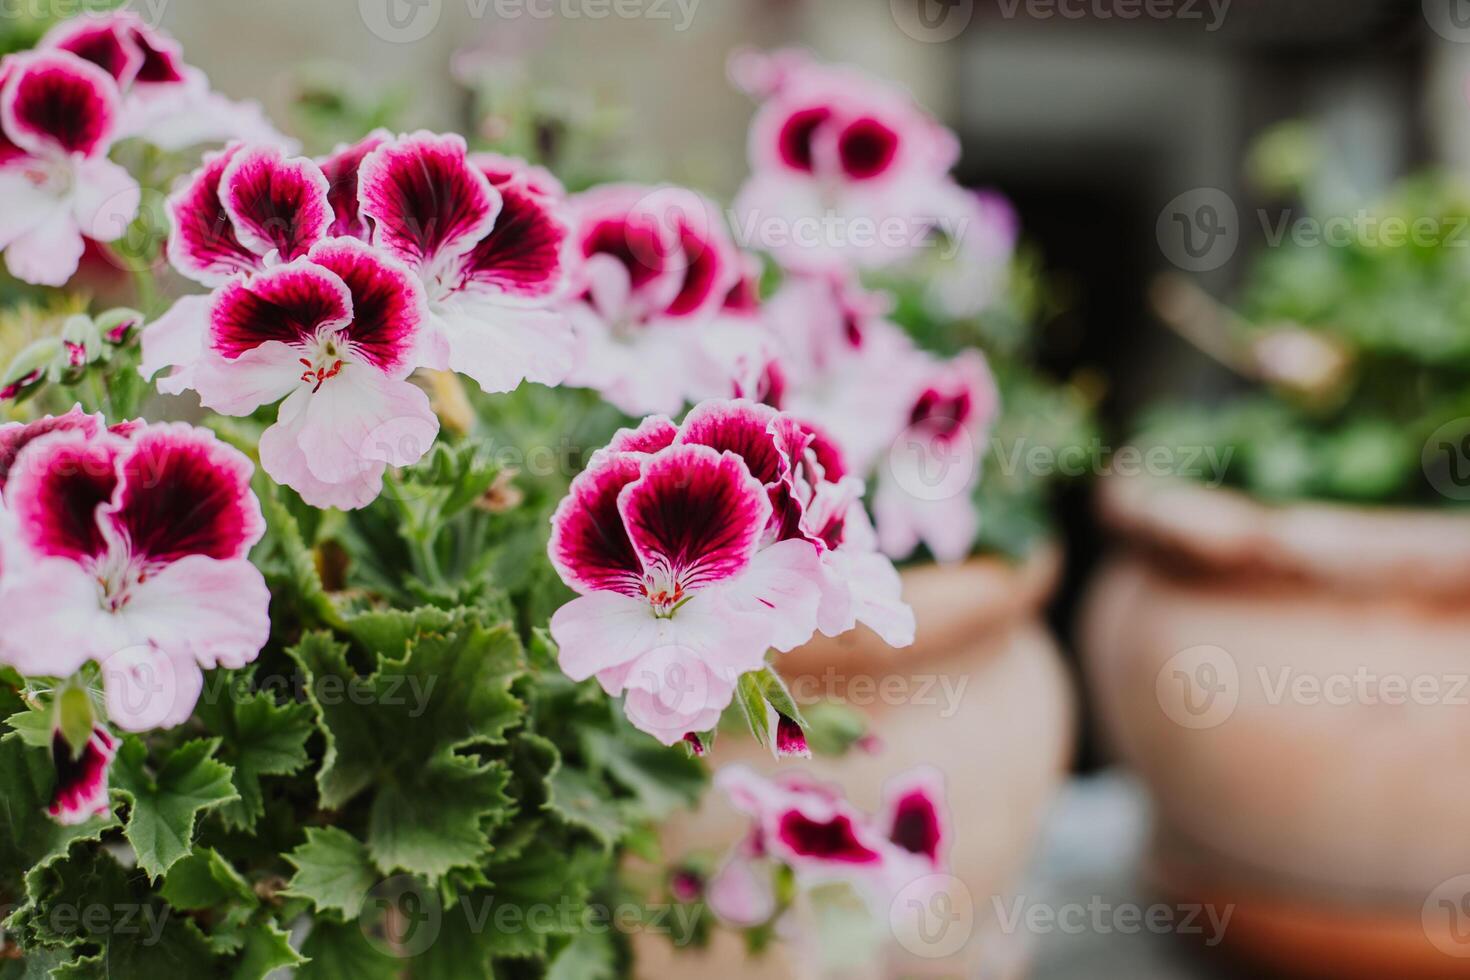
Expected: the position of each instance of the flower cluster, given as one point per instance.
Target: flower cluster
(334, 279)
(126, 546)
(696, 548)
(809, 827)
(93, 81)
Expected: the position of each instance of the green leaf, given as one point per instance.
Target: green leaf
(663, 779)
(333, 871)
(258, 737)
(758, 688)
(28, 837)
(32, 726)
(580, 799)
(267, 948)
(164, 807)
(339, 951)
(203, 880)
(409, 729)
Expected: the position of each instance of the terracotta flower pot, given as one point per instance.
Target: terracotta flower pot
(1291, 684)
(982, 695)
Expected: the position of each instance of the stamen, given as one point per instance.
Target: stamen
(319, 375)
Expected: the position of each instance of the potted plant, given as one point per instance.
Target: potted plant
(393, 659)
(1276, 647)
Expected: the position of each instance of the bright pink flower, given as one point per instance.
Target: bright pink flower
(333, 333)
(485, 239)
(845, 167)
(58, 118)
(164, 101)
(128, 547)
(81, 781)
(651, 267)
(926, 487)
(341, 167)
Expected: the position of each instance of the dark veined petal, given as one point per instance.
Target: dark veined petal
(185, 493)
(522, 254)
(866, 148)
(275, 203)
(914, 813)
(834, 839)
(81, 782)
(589, 545)
(387, 301)
(695, 517)
(741, 427)
(794, 136)
(202, 243)
(424, 200)
(105, 40)
(289, 303)
(56, 485)
(55, 103)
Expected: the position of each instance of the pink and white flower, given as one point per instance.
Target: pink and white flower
(651, 267)
(845, 168)
(58, 119)
(81, 780)
(484, 236)
(926, 486)
(811, 828)
(163, 100)
(127, 547)
(330, 334)
(972, 276)
(697, 548)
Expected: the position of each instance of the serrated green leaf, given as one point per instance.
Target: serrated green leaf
(32, 726)
(164, 807)
(267, 947)
(333, 871)
(258, 737)
(435, 817)
(339, 951)
(663, 779)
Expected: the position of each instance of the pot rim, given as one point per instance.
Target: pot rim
(1351, 548)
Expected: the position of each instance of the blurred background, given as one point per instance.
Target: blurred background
(1103, 121)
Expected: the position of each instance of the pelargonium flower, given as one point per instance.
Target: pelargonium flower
(926, 485)
(484, 236)
(811, 828)
(163, 100)
(58, 119)
(127, 546)
(971, 279)
(845, 168)
(81, 780)
(651, 266)
(333, 332)
(698, 547)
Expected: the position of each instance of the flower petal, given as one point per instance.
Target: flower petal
(782, 587)
(145, 687)
(55, 104)
(341, 169)
(695, 516)
(501, 345)
(741, 427)
(104, 40)
(202, 242)
(521, 255)
(54, 620)
(81, 783)
(177, 339)
(589, 544)
(47, 255)
(186, 493)
(15, 436)
(287, 303)
(55, 487)
(387, 303)
(361, 418)
(653, 433)
(601, 631)
(215, 611)
(424, 199)
(914, 813)
(275, 203)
